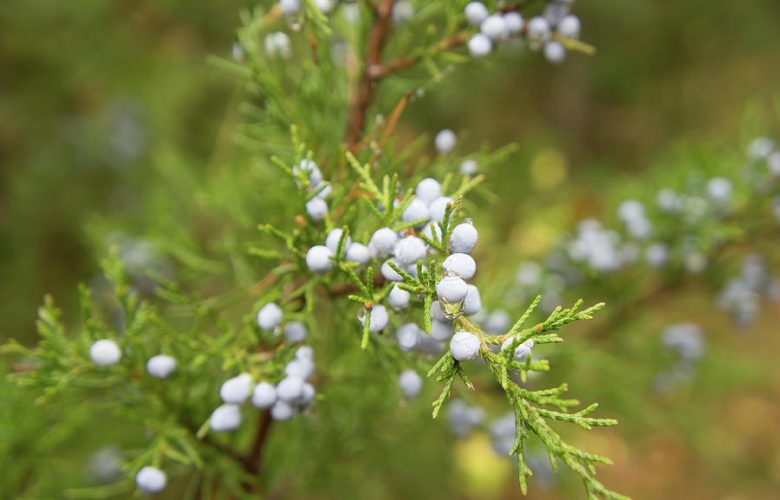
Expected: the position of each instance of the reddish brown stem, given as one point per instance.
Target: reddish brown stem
(255, 454)
(364, 94)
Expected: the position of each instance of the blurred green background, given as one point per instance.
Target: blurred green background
(98, 99)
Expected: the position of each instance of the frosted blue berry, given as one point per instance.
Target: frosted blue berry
(554, 52)
(720, 189)
(473, 303)
(289, 389)
(760, 148)
(310, 169)
(409, 250)
(269, 316)
(494, 27)
(318, 259)
(445, 141)
(235, 390)
(773, 163)
(469, 168)
(475, 13)
(480, 45)
(295, 331)
(305, 352)
(105, 353)
(378, 319)
(302, 368)
(383, 242)
(289, 6)
(332, 241)
(264, 395)
(410, 383)
(282, 410)
(389, 273)
(463, 418)
(464, 346)
(452, 289)
(538, 29)
(427, 190)
(398, 298)
(438, 207)
(415, 211)
(460, 264)
(437, 313)
(307, 396)
(522, 351)
(432, 231)
(497, 322)
(161, 366)
(225, 418)
(441, 330)
(408, 336)
(514, 22)
(317, 208)
(359, 253)
(463, 238)
(151, 480)
(569, 27)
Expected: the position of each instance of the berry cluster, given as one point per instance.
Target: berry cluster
(545, 31)
(686, 341)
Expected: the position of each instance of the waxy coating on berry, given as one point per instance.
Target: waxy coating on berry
(302, 368)
(464, 346)
(236, 390)
(378, 318)
(441, 330)
(151, 480)
(475, 13)
(161, 366)
(445, 141)
(410, 383)
(452, 289)
(105, 353)
(318, 259)
(289, 389)
(463, 238)
(479, 45)
(332, 241)
(473, 303)
(383, 241)
(427, 190)
(409, 250)
(417, 210)
(282, 410)
(514, 22)
(359, 253)
(264, 395)
(225, 418)
(438, 208)
(522, 351)
(295, 331)
(269, 316)
(317, 208)
(494, 27)
(460, 264)
(389, 273)
(408, 336)
(398, 298)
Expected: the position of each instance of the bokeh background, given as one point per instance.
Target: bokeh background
(99, 99)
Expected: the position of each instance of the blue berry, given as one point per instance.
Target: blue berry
(318, 259)
(464, 346)
(460, 264)
(236, 390)
(151, 480)
(410, 383)
(105, 353)
(269, 316)
(225, 418)
(264, 395)
(161, 366)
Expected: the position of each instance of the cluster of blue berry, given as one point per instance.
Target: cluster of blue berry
(545, 31)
